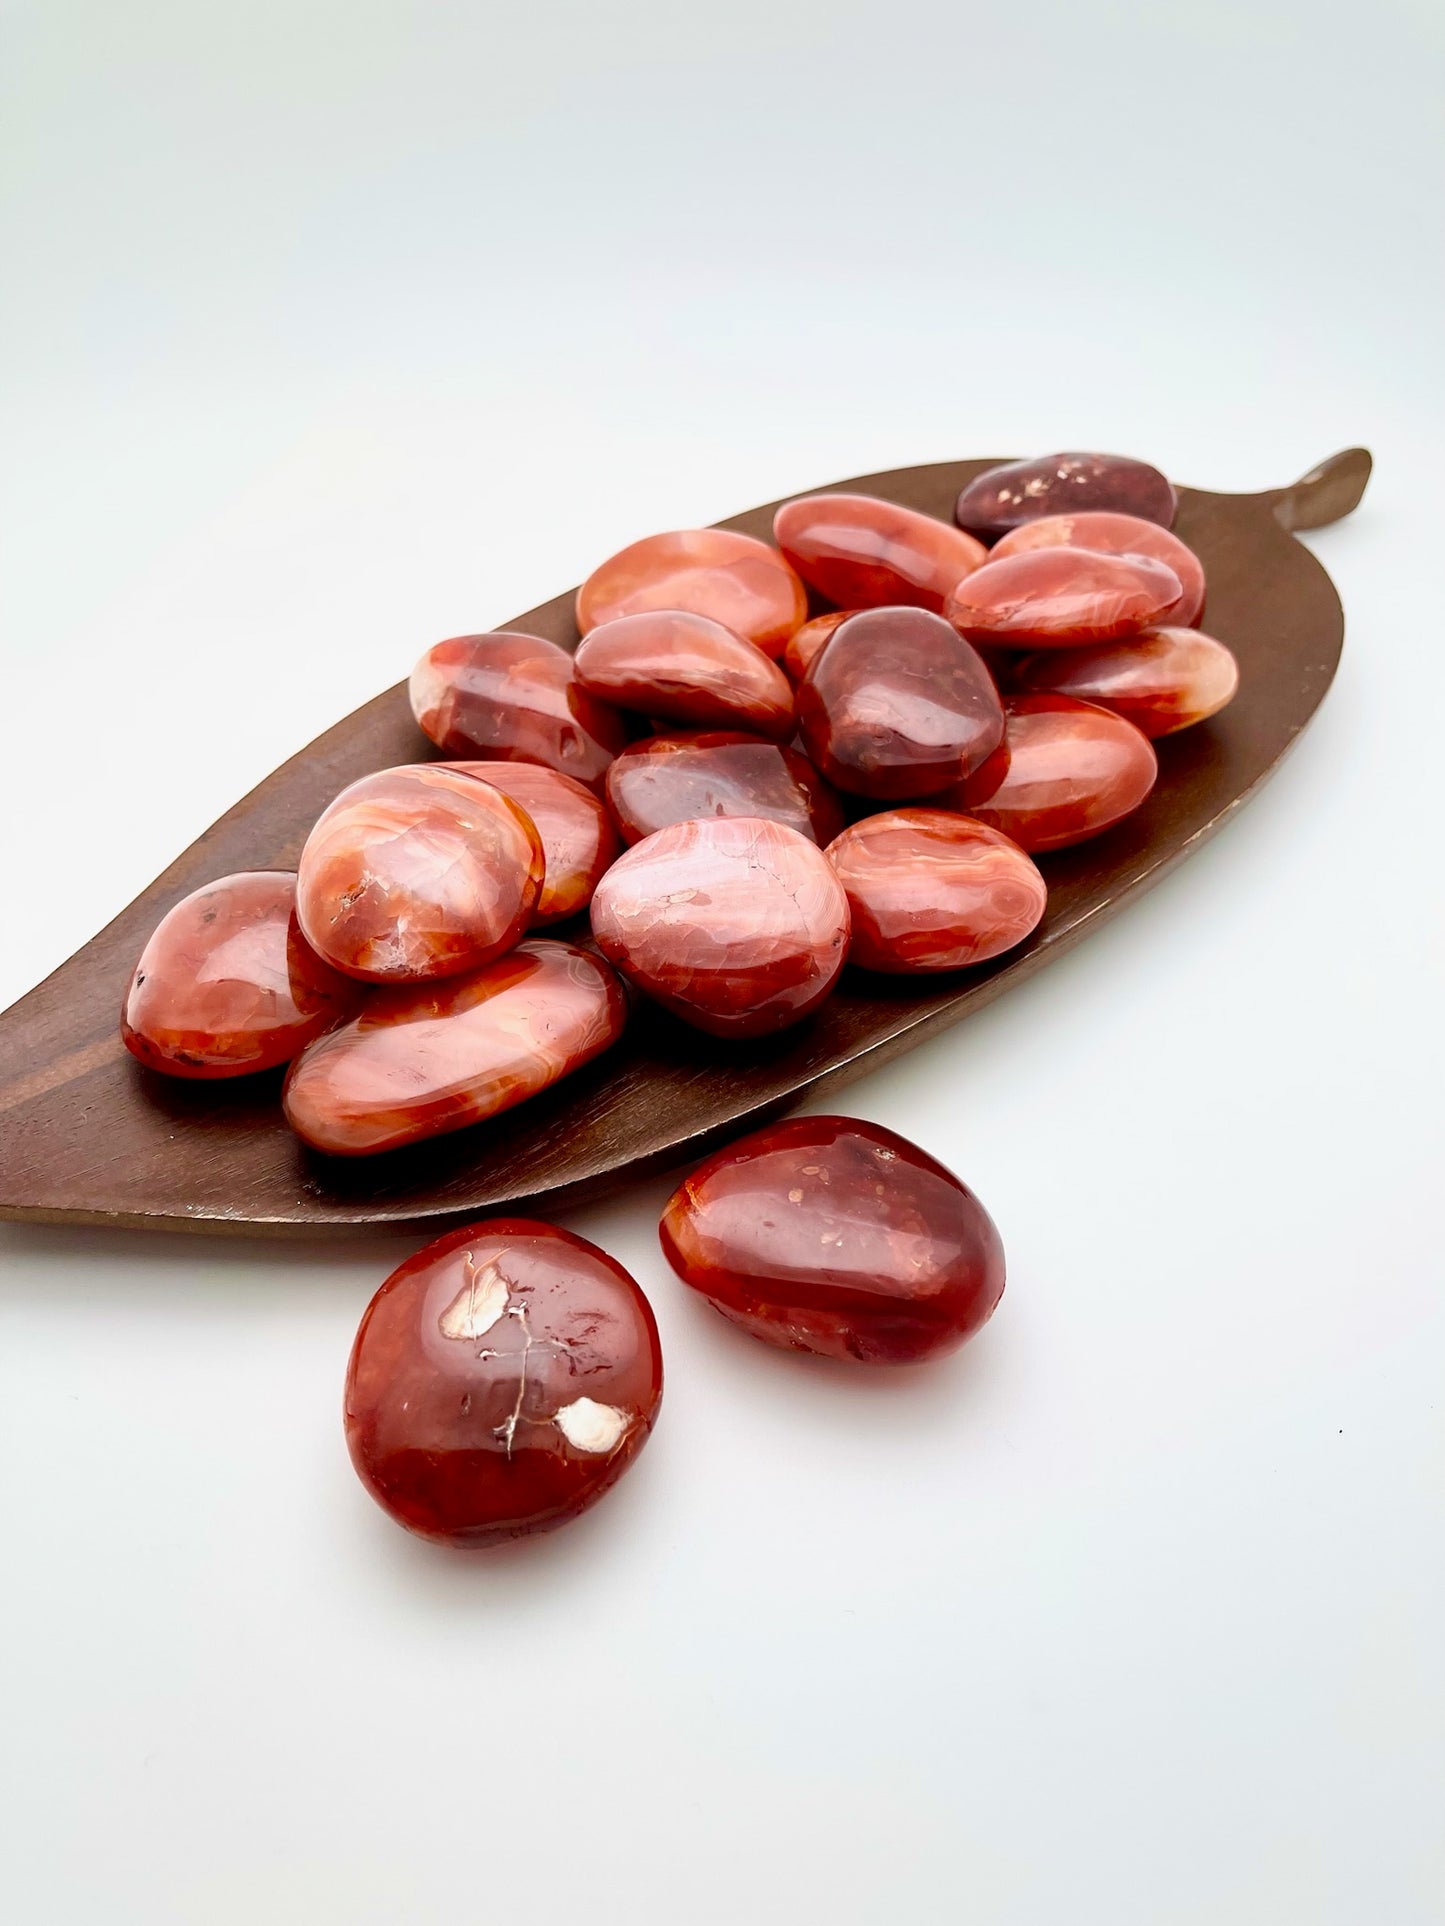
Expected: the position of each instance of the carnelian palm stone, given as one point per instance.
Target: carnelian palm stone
(731, 578)
(830, 1235)
(502, 1380)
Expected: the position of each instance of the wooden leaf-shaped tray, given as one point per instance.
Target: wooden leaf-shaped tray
(88, 1136)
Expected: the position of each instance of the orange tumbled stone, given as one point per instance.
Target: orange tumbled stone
(733, 579)
(514, 698)
(418, 872)
(830, 1235)
(430, 1057)
(1063, 597)
(578, 840)
(862, 552)
(806, 645)
(673, 779)
(688, 669)
(1071, 769)
(1164, 680)
(502, 1380)
(227, 984)
(932, 890)
(1111, 534)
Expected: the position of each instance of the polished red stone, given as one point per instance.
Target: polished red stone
(672, 779)
(1020, 491)
(932, 890)
(227, 984)
(578, 840)
(1110, 534)
(898, 705)
(834, 1236)
(1072, 770)
(502, 1380)
(418, 872)
(863, 553)
(686, 669)
(425, 1058)
(736, 924)
(806, 644)
(1063, 597)
(740, 582)
(1164, 680)
(513, 698)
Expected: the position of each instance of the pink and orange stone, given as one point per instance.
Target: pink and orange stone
(1163, 680)
(1063, 597)
(672, 779)
(736, 924)
(838, 1237)
(731, 578)
(578, 840)
(421, 1059)
(1067, 771)
(1112, 534)
(227, 984)
(686, 669)
(501, 1382)
(861, 552)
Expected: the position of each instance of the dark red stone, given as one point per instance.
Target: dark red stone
(1020, 491)
(898, 705)
(1072, 770)
(932, 890)
(502, 1380)
(513, 698)
(673, 779)
(1110, 534)
(863, 553)
(835, 1236)
(227, 984)
(686, 669)
(1062, 598)
(735, 924)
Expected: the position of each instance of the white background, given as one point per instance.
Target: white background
(332, 329)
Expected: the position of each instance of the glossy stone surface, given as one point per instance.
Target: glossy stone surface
(1109, 534)
(839, 1237)
(860, 552)
(686, 669)
(1021, 491)
(898, 705)
(805, 644)
(513, 698)
(672, 779)
(1062, 598)
(418, 872)
(578, 839)
(227, 984)
(1162, 681)
(932, 890)
(502, 1380)
(740, 582)
(736, 924)
(426, 1058)
(1072, 770)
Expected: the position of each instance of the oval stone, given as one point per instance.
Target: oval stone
(514, 698)
(502, 1380)
(1072, 770)
(686, 669)
(734, 579)
(932, 890)
(227, 984)
(578, 840)
(418, 872)
(1063, 597)
(830, 1235)
(860, 552)
(1020, 491)
(1110, 534)
(674, 779)
(1161, 681)
(736, 924)
(898, 705)
(430, 1057)
(806, 645)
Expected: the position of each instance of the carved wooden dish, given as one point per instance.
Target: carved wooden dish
(88, 1136)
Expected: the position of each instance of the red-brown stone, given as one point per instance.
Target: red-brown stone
(1072, 770)
(740, 582)
(227, 984)
(687, 669)
(806, 644)
(673, 779)
(426, 1058)
(863, 553)
(1062, 598)
(736, 924)
(839, 1237)
(502, 1380)
(578, 840)
(1164, 680)
(932, 890)
(1020, 491)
